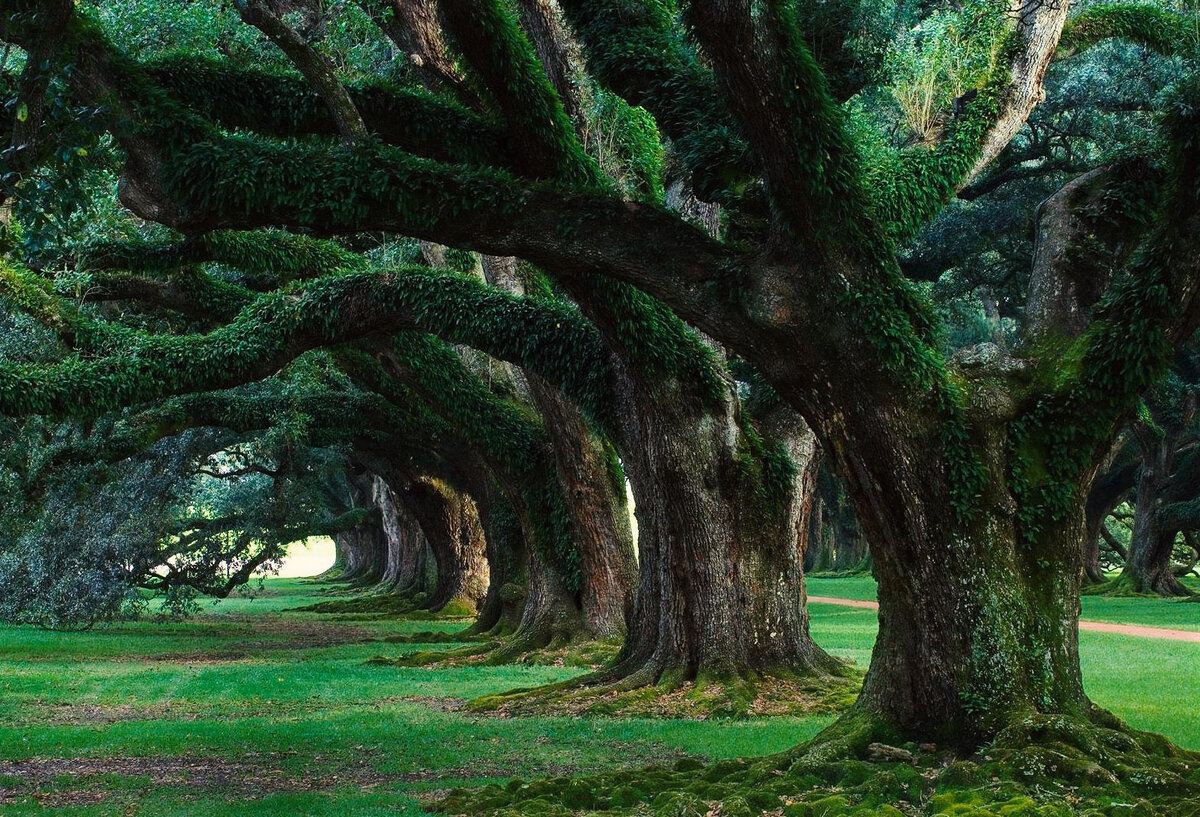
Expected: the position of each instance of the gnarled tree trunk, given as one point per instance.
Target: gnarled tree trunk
(722, 582)
(592, 486)
(451, 525)
(1148, 567)
(405, 569)
(363, 550)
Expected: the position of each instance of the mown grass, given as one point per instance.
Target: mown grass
(1149, 612)
(255, 702)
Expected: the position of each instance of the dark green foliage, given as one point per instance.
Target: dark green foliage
(507, 436)
(535, 118)
(910, 187)
(1166, 31)
(278, 104)
(636, 50)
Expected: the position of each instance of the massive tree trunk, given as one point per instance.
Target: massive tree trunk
(593, 488)
(451, 525)
(722, 583)
(1148, 567)
(722, 521)
(1110, 488)
(502, 606)
(976, 627)
(978, 602)
(363, 550)
(405, 569)
(835, 541)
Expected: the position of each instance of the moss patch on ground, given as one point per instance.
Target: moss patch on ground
(1040, 766)
(591, 654)
(698, 700)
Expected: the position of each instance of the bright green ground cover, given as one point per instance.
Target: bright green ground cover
(251, 701)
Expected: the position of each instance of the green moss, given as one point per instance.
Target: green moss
(703, 699)
(1161, 29)
(1040, 767)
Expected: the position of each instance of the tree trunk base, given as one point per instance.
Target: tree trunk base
(638, 695)
(1169, 586)
(1038, 766)
(385, 605)
(560, 645)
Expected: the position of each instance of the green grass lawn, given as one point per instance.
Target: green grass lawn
(252, 702)
(1170, 613)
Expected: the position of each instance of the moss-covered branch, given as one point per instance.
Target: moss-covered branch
(536, 119)
(281, 105)
(1162, 30)
(265, 254)
(1127, 347)
(782, 99)
(638, 51)
(550, 339)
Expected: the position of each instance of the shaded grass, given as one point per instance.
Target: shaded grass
(255, 684)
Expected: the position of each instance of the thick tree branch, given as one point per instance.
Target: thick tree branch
(413, 26)
(1039, 25)
(636, 50)
(537, 122)
(547, 338)
(273, 104)
(1062, 292)
(782, 99)
(1162, 30)
(315, 68)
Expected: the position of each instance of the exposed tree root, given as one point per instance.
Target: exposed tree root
(383, 605)
(1123, 587)
(1039, 766)
(707, 697)
(496, 651)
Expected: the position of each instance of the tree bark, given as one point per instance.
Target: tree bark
(502, 607)
(592, 487)
(599, 517)
(451, 525)
(721, 586)
(363, 550)
(405, 568)
(1148, 564)
(1110, 488)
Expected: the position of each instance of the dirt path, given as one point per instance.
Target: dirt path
(1093, 626)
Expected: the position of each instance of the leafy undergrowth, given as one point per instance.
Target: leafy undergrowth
(700, 700)
(1041, 766)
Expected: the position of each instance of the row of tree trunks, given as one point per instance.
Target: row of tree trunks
(835, 541)
(408, 554)
(361, 551)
